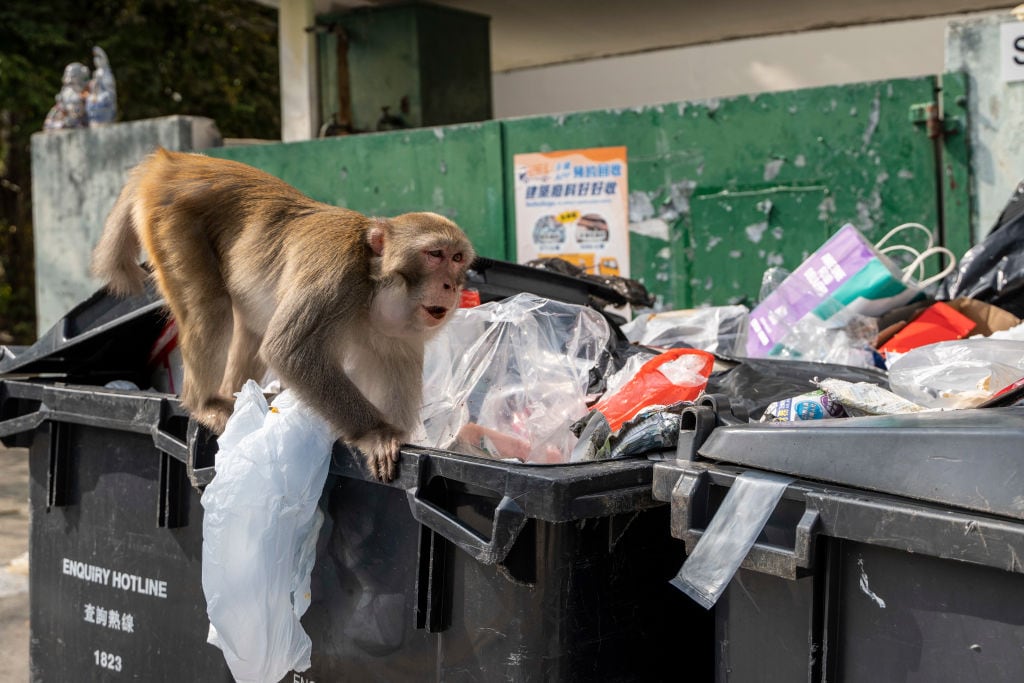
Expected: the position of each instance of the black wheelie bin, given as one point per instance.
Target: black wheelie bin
(462, 569)
(894, 554)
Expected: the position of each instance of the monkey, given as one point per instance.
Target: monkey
(257, 275)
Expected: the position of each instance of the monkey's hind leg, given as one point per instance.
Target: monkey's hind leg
(243, 361)
(204, 342)
(204, 335)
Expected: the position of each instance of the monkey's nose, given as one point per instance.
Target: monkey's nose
(447, 286)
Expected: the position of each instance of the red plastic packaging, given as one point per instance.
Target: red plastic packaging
(469, 298)
(938, 322)
(651, 386)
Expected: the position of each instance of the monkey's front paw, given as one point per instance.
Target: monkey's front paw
(381, 451)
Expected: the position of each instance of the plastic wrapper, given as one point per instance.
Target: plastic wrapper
(770, 281)
(519, 368)
(668, 378)
(260, 527)
(715, 329)
(864, 398)
(755, 382)
(730, 535)
(652, 429)
(814, 405)
(957, 374)
(624, 374)
(843, 340)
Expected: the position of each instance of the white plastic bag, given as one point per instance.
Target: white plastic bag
(957, 374)
(507, 379)
(260, 527)
(714, 329)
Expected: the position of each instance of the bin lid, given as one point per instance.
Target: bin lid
(102, 337)
(971, 459)
(501, 279)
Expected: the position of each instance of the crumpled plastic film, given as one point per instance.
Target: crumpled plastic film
(506, 379)
(715, 329)
(957, 374)
(730, 536)
(864, 398)
(260, 526)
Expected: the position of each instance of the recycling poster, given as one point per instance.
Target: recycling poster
(574, 205)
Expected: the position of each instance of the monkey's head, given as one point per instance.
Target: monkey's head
(423, 258)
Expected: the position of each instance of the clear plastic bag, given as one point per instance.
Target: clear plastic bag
(957, 374)
(507, 379)
(730, 535)
(715, 328)
(844, 340)
(260, 526)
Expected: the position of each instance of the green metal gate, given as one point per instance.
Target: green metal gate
(454, 171)
(720, 189)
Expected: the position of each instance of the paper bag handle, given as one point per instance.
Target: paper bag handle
(901, 228)
(919, 256)
(908, 272)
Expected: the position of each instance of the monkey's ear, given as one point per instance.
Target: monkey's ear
(377, 235)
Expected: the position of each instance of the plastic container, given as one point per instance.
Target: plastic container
(894, 556)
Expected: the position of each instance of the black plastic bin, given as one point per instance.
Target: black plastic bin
(895, 555)
(115, 541)
(460, 570)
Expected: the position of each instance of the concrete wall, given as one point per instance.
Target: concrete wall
(76, 176)
(808, 59)
(996, 115)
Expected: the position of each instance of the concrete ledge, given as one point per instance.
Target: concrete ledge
(76, 177)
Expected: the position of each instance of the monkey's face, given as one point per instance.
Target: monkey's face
(443, 274)
(425, 295)
(420, 266)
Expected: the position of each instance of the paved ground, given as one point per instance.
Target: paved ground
(13, 565)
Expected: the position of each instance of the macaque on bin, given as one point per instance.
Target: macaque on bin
(257, 275)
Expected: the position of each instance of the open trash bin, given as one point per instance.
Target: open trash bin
(462, 569)
(894, 555)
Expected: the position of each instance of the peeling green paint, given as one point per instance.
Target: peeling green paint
(720, 189)
(385, 174)
(818, 158)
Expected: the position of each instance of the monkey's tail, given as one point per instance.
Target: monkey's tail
(116, 258)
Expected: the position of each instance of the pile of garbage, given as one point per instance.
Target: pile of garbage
(855, 330)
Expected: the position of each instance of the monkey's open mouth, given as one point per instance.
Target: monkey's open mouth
(436, 312)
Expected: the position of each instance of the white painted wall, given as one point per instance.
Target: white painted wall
(300, 114)
(995, 116)
(753, 65)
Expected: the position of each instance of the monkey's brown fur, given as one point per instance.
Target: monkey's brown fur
(258, 275)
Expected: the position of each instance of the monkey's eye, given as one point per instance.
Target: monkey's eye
(436, 253)
(457, 258)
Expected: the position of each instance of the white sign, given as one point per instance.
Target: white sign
(1011, 50)
(573, 204)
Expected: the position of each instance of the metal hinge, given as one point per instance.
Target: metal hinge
(927, 114)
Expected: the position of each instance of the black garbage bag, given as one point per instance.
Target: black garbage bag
(993, 270)
(632, 291)
(755, 383)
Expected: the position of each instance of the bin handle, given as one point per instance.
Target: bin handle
(689, 501)
(509, 520)
(23, 423)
